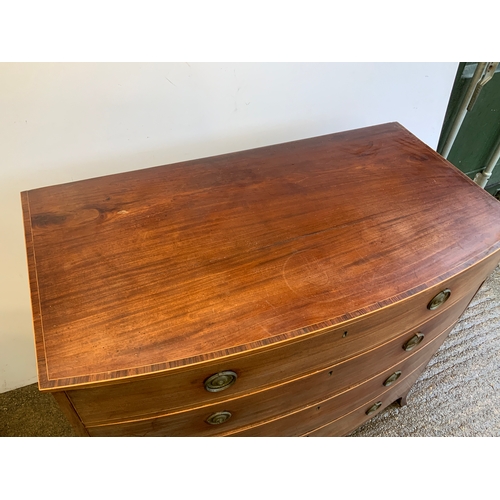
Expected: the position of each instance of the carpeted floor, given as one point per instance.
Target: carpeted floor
(27, 412)
(457, 395)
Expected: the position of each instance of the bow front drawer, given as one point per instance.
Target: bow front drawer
(246, 374)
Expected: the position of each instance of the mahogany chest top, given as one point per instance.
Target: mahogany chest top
(141, 272)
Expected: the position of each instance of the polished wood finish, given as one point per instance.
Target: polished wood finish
(199, 260)
(71, 414)
(352, 420)
(131, 400)
(252, 412)
(275, 263)
(264, 367)
(323, 412)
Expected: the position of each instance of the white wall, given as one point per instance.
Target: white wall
(63, 122)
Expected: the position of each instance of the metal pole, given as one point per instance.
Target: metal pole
(463, 109)
(482, 178)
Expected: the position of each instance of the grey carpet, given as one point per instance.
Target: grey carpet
(457, 395)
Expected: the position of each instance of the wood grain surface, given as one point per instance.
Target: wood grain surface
(71, 414)
(337, 390)
(312, 416)
(347, 423)
(146, 271)
(174, 392)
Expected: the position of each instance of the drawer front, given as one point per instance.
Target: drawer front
(257, 407)
(315, 415)
(350, 422)
(184, 388)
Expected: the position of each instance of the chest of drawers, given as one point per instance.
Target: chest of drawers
(289, 290)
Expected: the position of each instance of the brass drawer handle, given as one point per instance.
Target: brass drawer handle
(439, 299)
(413, 342)
(390, 380)
(220, 381)
(218, 418)
(374, 408)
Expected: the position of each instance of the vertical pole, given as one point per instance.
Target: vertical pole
(457, 123)
(482, 178)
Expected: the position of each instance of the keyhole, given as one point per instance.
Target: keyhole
(345, 335)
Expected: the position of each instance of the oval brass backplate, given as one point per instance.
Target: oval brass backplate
(220, 381)
(439, 299)
(218, 418)
(374, 408)
(390, 380)
(413, 342)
